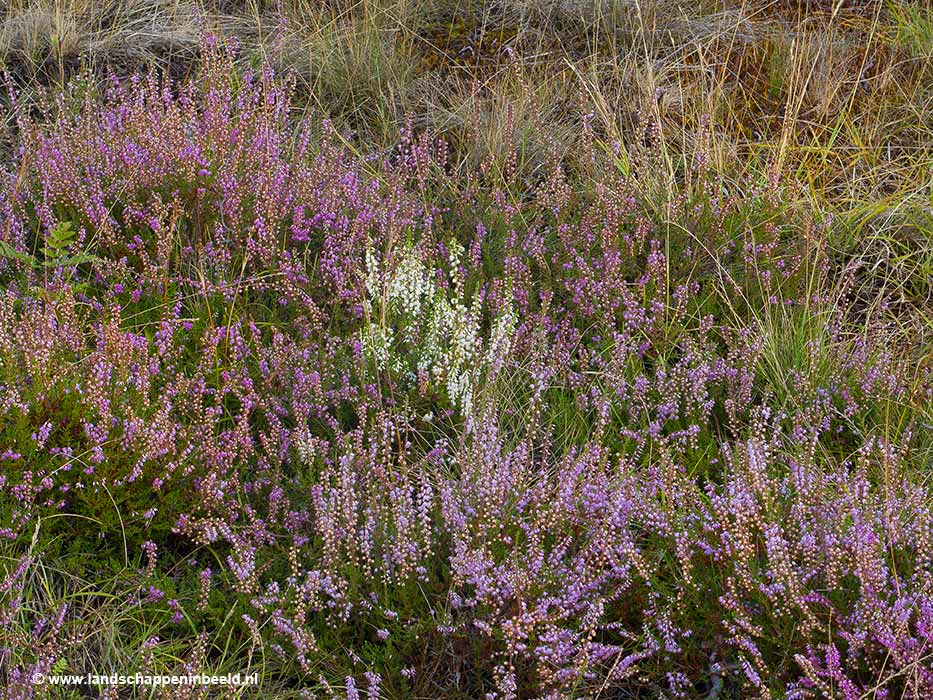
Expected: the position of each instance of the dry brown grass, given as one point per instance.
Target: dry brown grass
(48, 41)
(837, 93)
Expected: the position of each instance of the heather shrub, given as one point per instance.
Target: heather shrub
(397, 429)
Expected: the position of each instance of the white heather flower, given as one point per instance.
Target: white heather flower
(373, 283)
(445, 328)
(378, 341)
(409, 284)
(305, 447)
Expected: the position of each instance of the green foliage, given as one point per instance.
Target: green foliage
(914, 26)
(54, 251)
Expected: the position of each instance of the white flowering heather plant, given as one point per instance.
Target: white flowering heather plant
(439, 334)
(370, 426)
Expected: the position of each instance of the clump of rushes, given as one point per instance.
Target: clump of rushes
(404, 432)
